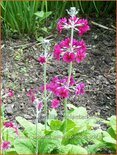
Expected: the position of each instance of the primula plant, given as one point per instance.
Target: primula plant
(77, 133)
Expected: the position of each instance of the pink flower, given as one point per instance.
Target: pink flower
(55, 103)
(10, 93)
(8, 124)
(11, 125)
(80, 89)
(55, 79)
(47, 87)
(81, 45)
(84, 26)
(5, 145)
(72, 81)
(62, 92)
(42, 59)
(31, 95)
(81, 55)
(81, 25)
(57, 52)
(69, 57)
(40, 106)
(65, 43)
(61, 24)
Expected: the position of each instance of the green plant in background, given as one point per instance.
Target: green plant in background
(29, 16)
(21, 17)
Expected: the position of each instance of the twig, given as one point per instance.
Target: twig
(102, 26)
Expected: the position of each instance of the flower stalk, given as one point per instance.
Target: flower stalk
(69, 75)
(46, 45)
(45, 95)
(37, 117)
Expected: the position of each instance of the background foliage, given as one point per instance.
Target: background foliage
(20, 17)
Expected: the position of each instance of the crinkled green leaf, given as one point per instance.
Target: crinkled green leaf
(47, 144)
(73, 149)
(69, 134)
(52, 115)
(67, 125)
(23, 146)
(111, 132)
(113, 122)
(55, 124)
(93, 149)
(109, 139)
(11, 151)
(78, 114)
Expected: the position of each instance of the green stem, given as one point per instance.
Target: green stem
(37, 129)
(69, 75)
(45, 94)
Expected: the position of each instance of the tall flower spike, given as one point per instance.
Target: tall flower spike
(72, 11)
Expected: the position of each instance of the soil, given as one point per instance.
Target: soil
(21, 72)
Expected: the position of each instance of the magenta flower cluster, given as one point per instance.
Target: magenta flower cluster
(42, 60)
(60, 89)
(81, 25)
(10, 124)
(63, 50)
(5, 145)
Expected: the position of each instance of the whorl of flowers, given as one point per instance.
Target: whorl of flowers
(80, 25)
(59, 87)
(63, 50)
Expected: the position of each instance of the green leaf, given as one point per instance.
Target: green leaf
(67, 125)
(109, 139)
(73, 149)
(113, 122)
(71, 106)
(111, 132)
(24, 146)
(69, 134)
(57, 135)
(55, 124)
(11, 151)
(44, 29)
(52, 115)
(47, 144)
(30, 129)
(24, 123)
(9, 134)
(27, 124)
(46, 14)
(80, 138)
(93, 149)
(39, 14)
(78, 113)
